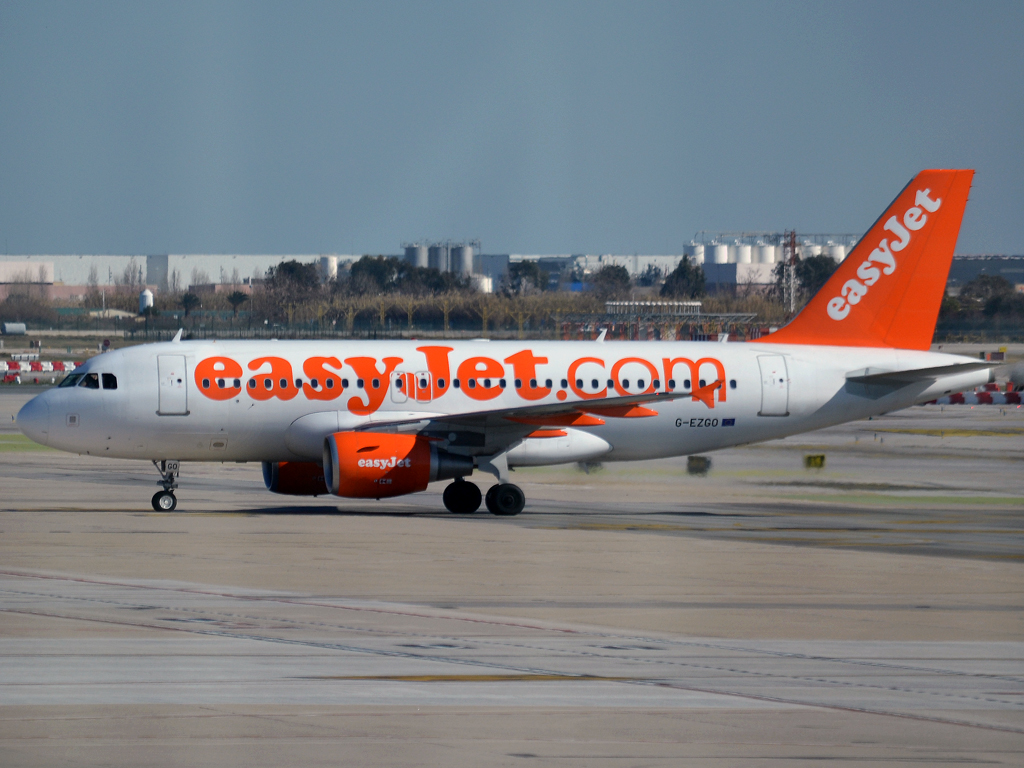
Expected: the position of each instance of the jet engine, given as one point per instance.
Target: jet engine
(374, 465)
(295, 478)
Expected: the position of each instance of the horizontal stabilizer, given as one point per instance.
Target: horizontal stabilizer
(902, 378)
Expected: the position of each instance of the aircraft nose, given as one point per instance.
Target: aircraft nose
(34, 420)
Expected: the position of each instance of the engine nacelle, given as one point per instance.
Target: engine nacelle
(374, 465)
(295, 478)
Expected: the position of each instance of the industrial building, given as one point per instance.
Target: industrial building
(727, 259)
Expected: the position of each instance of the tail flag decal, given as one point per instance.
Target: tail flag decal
(888, 290)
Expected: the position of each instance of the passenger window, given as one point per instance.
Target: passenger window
(732, 383)
(90, 381)
(71, 380)
(109, 381)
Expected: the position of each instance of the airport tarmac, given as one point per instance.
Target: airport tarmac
(764, 614)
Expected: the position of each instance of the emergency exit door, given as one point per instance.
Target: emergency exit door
(173, 387)
(774, 385)
(412, 386)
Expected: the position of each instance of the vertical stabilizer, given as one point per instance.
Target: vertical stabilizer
(888, 290)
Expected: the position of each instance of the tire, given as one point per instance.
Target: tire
(508, 500)
(164, 501)
(489, 499)
(462, 498)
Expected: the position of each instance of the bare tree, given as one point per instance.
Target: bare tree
(446, 302)
(409, 304)
(522, 310)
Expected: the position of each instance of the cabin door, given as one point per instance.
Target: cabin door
(774, 385)
(173, 387)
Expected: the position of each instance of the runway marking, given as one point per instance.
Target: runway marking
(730, 667)
(954, 432)
(516, 678)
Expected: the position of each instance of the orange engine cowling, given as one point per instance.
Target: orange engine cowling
(295, 478)
(373, 465)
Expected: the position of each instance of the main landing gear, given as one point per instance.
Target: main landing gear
(165, 500)
(463, 498)
(505, 499)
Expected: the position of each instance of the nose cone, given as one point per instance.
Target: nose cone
(34, 420)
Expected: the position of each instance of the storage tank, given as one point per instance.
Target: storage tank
(720, 253)
(145, 300)
(437, 257)
(837, 252)
(695, 251)
(461, 260)
(416, 255)
(809, 249)
(765, 254)
(328, 268)
(742, 253)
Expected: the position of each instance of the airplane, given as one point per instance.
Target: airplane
(379, 419)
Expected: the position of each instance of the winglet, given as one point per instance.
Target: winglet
(177, 336)
(601, 335)
(888, 290)
(706, 393)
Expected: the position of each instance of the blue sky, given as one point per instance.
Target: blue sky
(553, 127)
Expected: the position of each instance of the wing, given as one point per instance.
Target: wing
(487, 431)
(492, 431)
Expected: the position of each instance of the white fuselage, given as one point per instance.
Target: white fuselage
(161, 410)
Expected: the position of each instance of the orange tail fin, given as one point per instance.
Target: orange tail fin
(888, 290)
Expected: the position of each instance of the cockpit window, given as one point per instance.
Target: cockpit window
(109, 381)
(70, 381)
(90, 381)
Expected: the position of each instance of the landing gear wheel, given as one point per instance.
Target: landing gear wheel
(164, 501)
(505, 499)
(461, 498)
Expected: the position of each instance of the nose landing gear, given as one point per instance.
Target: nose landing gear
(165, 500)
